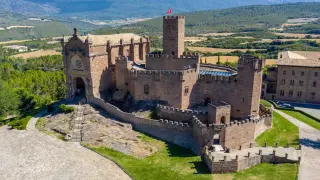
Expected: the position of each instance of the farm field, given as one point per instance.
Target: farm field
(297, 35)
(215, 50)
(216, 34)
(223, 59)
(36, 54)
(194, 39)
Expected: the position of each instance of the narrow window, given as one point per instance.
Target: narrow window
(186, 90)
(301, 83)
(293, 73)
(283, 81)
(292, 82)
(302, 73)
(313, 95)
(284, 72)
(281, 92)
(316, 74)
(299, 94)
(290, 93)
(314, 84)
(146, 89)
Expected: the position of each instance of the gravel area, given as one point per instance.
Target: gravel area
(34, 155)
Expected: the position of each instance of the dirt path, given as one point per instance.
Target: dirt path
(31, 154)
(310, 141)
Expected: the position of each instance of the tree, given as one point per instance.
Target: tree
(218, 60)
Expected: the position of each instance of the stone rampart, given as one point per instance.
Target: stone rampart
(167, 112)
(174, 132)
(229, 164)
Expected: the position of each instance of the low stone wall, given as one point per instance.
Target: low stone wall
(171, 131)
(174, 114)
(237, 164)
(240, 133)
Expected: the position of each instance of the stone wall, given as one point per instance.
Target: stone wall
(171, 62)
(167, 112)
(238, 164)
(173, 34)
(173, 132)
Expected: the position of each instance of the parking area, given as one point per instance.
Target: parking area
(312, 109)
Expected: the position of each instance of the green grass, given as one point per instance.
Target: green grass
(303, 118)
(265, 103)
(177, 163)
(269, 171)
(282, 131)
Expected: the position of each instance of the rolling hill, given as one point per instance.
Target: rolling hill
(239, 19)
(117, 9)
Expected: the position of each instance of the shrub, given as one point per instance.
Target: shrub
(65, 109)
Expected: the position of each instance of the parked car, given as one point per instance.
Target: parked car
(284, 105)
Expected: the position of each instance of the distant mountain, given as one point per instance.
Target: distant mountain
(116, 9)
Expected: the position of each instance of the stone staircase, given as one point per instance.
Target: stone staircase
(77, 126)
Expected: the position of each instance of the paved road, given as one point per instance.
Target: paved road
(310, 140)
(32, 155)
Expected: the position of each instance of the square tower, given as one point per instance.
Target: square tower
(173, 35)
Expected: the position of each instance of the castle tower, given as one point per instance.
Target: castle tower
(173, 35)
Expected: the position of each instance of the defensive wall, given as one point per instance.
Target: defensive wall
(241, 162)
(172, 62)
(175, 114)
(174, 132)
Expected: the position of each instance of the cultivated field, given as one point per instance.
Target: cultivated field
(297, 35)
(215, 50)
(194, 39)
(216, 34)
(37, 54)
(214, 60)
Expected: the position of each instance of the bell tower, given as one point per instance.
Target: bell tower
(173, 35)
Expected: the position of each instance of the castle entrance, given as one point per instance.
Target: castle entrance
(216, 139)
(80, 89)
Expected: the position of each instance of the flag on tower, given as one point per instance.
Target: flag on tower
(169, 11)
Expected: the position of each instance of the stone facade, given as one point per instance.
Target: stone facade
(295, 79)
(300, 84)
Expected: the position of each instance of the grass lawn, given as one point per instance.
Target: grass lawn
(173, 162)
(282, 131)
(303, 118)
(265, 103)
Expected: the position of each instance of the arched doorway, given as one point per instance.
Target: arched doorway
(223, 120)
(216, 139)
(80, 89)
(207, 101)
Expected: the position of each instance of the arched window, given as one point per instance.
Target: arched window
(223, 120)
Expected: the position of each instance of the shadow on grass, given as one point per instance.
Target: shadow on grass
(178, 151)
(200, 167)
(310, 143)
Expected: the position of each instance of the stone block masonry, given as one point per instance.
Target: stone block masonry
(218, 162)
(174, 132)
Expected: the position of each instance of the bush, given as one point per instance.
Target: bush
(65, 109)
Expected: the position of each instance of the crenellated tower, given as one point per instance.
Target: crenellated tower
(173, 35)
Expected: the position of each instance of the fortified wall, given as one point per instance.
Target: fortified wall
(174, 132)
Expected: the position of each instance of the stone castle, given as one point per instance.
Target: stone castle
(198, 105)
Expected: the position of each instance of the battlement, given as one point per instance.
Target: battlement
(173, 17)
(136, 72)
(170, 56)
(187, 111)
(211, 78)
(232, 162)
(175, 123)
(197, 122)
(122, 59)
